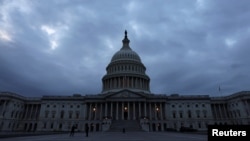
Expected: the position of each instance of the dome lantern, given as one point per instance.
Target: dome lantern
(125, 41)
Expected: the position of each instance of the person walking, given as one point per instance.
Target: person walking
(87, 130)
(72, 132)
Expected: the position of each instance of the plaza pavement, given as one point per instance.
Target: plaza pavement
(115, 136)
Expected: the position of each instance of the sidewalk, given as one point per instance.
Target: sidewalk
(23, 134)
(114, 136)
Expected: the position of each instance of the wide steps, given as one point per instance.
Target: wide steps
(128, 125)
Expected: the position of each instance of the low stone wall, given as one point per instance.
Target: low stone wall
(20, 134)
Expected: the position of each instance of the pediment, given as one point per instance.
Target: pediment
(126, 94)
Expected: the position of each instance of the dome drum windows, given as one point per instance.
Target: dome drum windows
(126, 66)
(126, 82)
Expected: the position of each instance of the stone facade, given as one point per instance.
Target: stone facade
(125, 100)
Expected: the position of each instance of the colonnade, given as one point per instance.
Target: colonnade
(126, 82)
(3, 105)
(125, 110)
(219, 111)
(32, 111)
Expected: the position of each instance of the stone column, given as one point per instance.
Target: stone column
(215, 111)
(247, 107)
(90, 111)
(84, 111)
(161, 110)
(135, 82)
(119, 82)
(95, 111)
(4, 106)
(132, 82)
(224, 111)
(111, 83)
(150, 113)
(134, 110)
(145, 109)
(165, 105)
(111, 110)
(116, 83)
(141, 83)
(122, 110)
(36, 110)
(155, 111)
(123, 83)
(117, 110)
(139, 110)
(31, 111)
(106, 109)
(101, 112)
(27, 110)
(220, 112)
(128, 111)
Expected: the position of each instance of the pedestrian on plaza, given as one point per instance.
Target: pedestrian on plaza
(87, 130)
(72, 132)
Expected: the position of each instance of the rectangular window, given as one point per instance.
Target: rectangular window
(189, 114)
(174, 115)
(180, 115)
(70, 115)
(77, 115)
(46, 114)
(62, 115)
(199, 125)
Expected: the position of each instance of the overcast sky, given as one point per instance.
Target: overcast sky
(62, 47)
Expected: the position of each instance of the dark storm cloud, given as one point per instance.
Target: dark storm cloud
(63, 47)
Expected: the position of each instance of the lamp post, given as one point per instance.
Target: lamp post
(94, 109)
(125, 112)
(157, 112)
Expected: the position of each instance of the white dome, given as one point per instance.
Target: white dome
(126, 54)
(125, 71)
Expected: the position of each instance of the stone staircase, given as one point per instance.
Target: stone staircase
(129, 125)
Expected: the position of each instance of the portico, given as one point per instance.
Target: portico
(125, 110)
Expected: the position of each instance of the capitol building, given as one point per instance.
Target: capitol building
(125, 101)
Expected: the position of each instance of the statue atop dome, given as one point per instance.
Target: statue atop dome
(126, 40)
